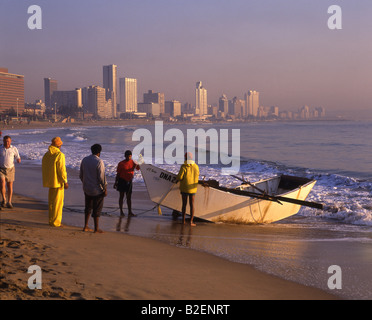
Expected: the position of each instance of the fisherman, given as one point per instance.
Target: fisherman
(124, 181)
(55, 178)
(92, 175)
(189, 178)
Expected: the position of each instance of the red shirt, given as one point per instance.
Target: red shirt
(126, 168)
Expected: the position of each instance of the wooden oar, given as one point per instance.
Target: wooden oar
(247, 182)
(284, 199)
(253, 186)
(279, 198)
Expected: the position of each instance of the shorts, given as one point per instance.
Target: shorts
(188, 194)
(124, 186)
(94, 203)
(7, 173)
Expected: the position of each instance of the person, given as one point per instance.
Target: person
(92, 175)
(8, 154)
(123, 181)
(189, 178)
(55, 178)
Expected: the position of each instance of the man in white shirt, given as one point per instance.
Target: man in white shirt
(92, 174)
(8, 154)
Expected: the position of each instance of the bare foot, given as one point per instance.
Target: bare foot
(131, 214)
(192, 224)
(87, 229)
(98, 231)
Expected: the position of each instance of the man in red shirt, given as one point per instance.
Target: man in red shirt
(123, 183)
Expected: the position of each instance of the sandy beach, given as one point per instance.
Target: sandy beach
(79, 265)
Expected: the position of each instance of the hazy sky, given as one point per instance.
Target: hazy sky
(283, 49)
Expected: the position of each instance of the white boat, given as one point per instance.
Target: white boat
(278, 197)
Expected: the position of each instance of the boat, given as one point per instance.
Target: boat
(262, 202)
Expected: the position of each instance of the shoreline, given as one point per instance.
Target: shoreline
(131, 122)
(124, 266)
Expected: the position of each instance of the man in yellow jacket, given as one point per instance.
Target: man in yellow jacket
(189, 178)
(55, 178)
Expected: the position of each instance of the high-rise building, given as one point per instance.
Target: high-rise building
(110, 84)
(201, 104)
(97, 102)
(252, 104)
(156, 97)
(12, 91)
(50, 86)
(128, 95)
(223, 105)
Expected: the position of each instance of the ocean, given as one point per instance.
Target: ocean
(301, 248)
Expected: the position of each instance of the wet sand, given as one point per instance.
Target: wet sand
(84, 265)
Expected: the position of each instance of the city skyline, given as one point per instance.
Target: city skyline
(284, 51)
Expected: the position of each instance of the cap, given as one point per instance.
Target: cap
(57, 142)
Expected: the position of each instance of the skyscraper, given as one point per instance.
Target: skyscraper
(252, 103)
(201, 104)
(223, 104)
(128, 95)
(97, 102)
(50, 86)
(110, 84)
(12, 91)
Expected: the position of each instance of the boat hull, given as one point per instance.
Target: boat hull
(217, 205)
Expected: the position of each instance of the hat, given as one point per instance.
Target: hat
(57, 142)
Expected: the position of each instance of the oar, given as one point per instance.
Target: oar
(284, 199)
(247, 182)
(279, 198)
(253, 186)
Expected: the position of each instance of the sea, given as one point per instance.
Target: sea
(303, 248)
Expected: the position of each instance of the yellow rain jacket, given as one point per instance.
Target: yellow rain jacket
(54, 168)
(188, 177)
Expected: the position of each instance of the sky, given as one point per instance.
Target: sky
(281, 48)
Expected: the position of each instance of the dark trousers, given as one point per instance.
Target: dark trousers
(94, 203)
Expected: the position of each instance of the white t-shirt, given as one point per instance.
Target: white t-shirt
(7, 156)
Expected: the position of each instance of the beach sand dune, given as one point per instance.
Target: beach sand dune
(83, 265)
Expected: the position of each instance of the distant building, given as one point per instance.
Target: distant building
(236, 107)
(128, 95)
(304, 112)
(12, 91)
(223, 105)
(321, 112)
(97, 103)
(252, 103)
(36, 108)
(187, 108)
(274, 111)
(173, 108)
(69, 98)
(201, 101)
(50, 86)
(150, 108)
(156, 97)
(110, 84)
